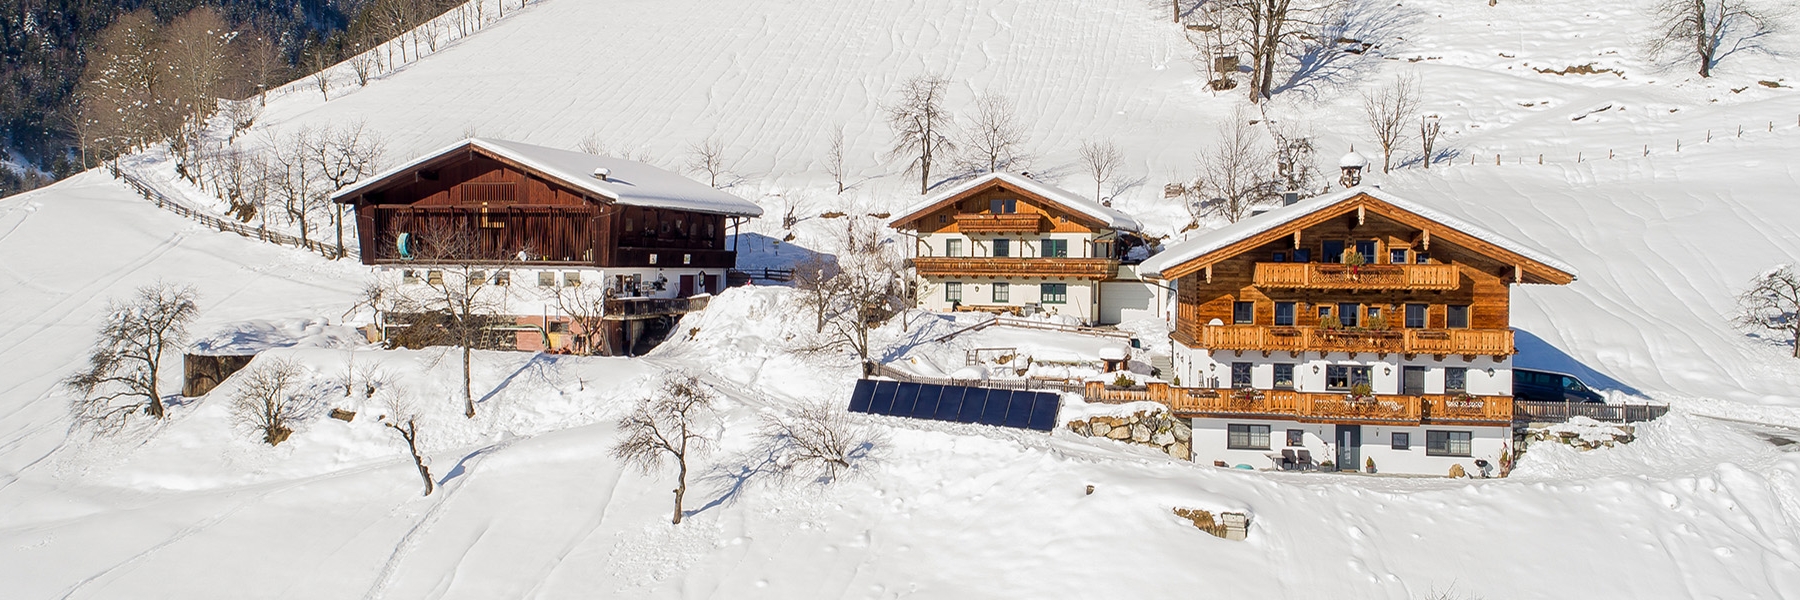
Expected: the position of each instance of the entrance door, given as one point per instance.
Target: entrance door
(1412, 381)
(1349, 447)
(687, 286)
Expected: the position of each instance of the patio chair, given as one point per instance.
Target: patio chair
(1305, 460)
(1288, 461)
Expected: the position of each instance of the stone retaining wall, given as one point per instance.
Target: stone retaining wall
(1158, 430)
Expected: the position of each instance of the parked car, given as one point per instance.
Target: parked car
(1550, 386)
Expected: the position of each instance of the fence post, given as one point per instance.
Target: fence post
(1496, 159)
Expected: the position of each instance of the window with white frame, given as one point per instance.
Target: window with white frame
(1448, 443)
(953, 291)
(1247, 437)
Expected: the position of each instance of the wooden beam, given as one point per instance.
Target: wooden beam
(1296, 240)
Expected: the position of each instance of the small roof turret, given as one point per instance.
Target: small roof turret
(1353, 160)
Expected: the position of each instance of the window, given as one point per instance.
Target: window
(571, 279)
(1002, 292)
(1344, 377)
(1103, 250)
(502, 278)
(1367, 249)
(653, 259)
(1056, 248)
(434, 277)
(1002, 248)
(1348, 313)
(630, 225)
(546, 279)
(1054, 293)
(1332, 251)
(687, 259)
(1284, 314)
(1375, 319)
(1243, 313)
(1302, 255)
(1003, 206)
(1284, 376)
(943, 219)
(953, 247)
(559, 327)
(477, 277)
(953, 291)
(1324, 315)
(409, 276)
(1456, 380)
(1448, 443)
(1240, 375)
(1415, 316)
(1457, 316)
(1397, 257)
(1421, 258)
(1402, 441)
(1278, 257)
(1247, 437)
(1296, 438)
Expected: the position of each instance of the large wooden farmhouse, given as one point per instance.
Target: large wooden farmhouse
(1355, 327)
(1008, 243)
(641, 239)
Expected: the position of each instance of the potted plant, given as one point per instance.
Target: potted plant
(1369, 464)
(1362, 391)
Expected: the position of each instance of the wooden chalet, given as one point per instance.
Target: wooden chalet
(1007, 243)
(546, 218)
(1298, 328)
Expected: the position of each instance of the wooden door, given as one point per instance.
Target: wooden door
(687, 286)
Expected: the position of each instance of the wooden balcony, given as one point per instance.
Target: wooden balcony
(1362, 277)
(1311, 407)
(1470, 342)
(1083, 268)
(1008, 223)
(630, 309)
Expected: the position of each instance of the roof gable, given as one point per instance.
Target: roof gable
(1243, 236)
(1069, 201)
(629, 182)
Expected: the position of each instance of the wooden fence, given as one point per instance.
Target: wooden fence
(1007, 384)
(214, 221)
(1557, 412)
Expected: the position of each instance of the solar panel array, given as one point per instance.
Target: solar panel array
(961, 404)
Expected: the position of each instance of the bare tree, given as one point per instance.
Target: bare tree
(1296, 160)
(814, 284)
(819, 442)
(403, 419)
(198, 56)
(834, 159)
(1267, 30)
(263, 66)
(127, 359)
(995, 139)
(1388, 111)
(667, 425)
(1429, 128)
(585, 305)
(363, 65)
(121, 83)
(707, 156)
(1101, 160)
(866, 291)
(919, 122)
(1233, 174)
(459, 288)
(1703, 31)
(293, 180)
(267, 402)
(321, 76)
(1773, 303)
(592, 144)
(342, 157)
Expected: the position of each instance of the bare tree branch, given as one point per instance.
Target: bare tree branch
(127, 359)
(1388, 111)
(919, 122)
(667, 425)
(1773, 303)
(1101, 160)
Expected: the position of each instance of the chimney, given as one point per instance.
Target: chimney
(602, 174)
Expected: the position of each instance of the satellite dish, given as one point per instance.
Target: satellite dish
(405, 245)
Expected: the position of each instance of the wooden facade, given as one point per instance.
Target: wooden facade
(520, 215)
(1384, 409)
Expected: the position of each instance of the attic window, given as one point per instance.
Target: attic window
(1003, 206)
(498, 193)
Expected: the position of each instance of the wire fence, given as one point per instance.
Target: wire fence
(213, 221)
(1563, 156)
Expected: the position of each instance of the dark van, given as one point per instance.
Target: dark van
(1550, 386)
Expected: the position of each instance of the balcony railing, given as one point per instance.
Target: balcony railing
(1329, 407)
(1491, 342)
(642, 308)
(1007, 223)
(1085, 268)
(1359, 277)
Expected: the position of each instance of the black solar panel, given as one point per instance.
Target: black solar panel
(1002, 408)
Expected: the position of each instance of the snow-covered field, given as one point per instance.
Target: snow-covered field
(1702, 505)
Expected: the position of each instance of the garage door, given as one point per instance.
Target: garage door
(1122, 301)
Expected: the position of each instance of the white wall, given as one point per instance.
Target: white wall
(1200, 368)
(1210, 444)
(523, 296)
(1082, 295)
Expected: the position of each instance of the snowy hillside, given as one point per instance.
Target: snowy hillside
(533, 505)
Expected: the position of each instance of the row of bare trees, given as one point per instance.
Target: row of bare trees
(926, 134)
(289, 176)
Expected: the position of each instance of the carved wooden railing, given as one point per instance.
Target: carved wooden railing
(1331, 407)
(1359, 277)
(1489, 342)
(1010, 223)
(1085, 268)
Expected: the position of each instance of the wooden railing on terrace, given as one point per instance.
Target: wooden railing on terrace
(1491, 342)
(1086, 268)
(1360, 277)
(641, 308)
(1009, 223)
(1338, 407)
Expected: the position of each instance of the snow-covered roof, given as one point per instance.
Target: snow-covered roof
(628, 182)
(250, 337)
(1067, 199)
(1218, 239)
